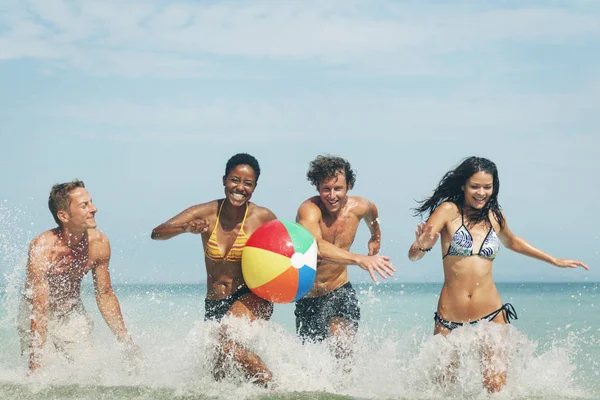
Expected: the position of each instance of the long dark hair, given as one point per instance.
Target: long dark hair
(450, 189)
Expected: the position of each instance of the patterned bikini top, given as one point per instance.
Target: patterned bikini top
(213, 251)
(461, 243)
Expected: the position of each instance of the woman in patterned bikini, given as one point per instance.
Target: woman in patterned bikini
(225, 225)
(464, 209)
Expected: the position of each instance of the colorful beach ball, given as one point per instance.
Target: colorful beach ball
(279, 261)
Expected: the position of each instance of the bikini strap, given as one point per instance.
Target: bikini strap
(511, 313)
(245, 215)
(217, 221)
(219, 213)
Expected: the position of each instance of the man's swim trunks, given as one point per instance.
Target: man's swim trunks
(314, 313)
(70, 330)
(215, 310)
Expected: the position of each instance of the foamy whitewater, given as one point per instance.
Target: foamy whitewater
(551, 351)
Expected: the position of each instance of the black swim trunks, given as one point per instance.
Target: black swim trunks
(314, 313)
(215, 310)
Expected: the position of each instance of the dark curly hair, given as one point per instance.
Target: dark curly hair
(243, 159)
(59, 199)
(327, 166)
(450, 189)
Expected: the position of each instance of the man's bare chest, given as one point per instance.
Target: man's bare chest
(341, 232)
(70, 263)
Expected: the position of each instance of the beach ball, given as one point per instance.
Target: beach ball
(279, 261)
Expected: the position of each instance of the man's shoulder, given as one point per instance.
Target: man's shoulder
(310, 209)
(360, 200)
(313, 201)
(99, 245)
(96, 234)
(97, 238)
(311, 204)
(45, 239)
(359, 204)
(41, 250)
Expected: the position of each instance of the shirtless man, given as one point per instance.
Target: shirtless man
(52, 309)
(331, 307)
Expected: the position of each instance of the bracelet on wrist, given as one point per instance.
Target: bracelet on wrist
(424, 250)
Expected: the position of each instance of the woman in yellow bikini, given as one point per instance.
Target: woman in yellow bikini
(225, 226)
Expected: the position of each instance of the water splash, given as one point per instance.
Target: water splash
(390, 365)
(14, 239)
(390, 361)
(386, 363)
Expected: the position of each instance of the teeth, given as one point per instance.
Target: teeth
(238, 196)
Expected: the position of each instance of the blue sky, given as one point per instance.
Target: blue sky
(146, 100)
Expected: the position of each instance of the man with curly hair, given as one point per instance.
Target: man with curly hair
(331, 308)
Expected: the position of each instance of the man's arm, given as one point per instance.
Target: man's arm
(38, 264)
(107, 301)
(309, 216)
(372, 221)
(191, 220)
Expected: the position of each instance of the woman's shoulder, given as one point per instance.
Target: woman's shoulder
(496, 223)
(261, 213)
(446, 211)
(212, 205)
(448, 207)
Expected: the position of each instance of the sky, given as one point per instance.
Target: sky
(146, 100)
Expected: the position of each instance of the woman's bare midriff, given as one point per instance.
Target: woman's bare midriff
(469, 292)
(223, 279)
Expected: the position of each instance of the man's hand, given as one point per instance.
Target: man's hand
(132, 356)
(34, 365)
(376, 263)
(374, 245)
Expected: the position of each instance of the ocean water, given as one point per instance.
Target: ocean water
(552, 351)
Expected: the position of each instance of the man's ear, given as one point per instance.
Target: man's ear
(63, 216)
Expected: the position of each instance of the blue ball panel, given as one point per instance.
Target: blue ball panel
(306, 278)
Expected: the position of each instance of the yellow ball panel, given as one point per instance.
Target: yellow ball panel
(261, 266)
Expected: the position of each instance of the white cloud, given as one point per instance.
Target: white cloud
(318, 117)
(173, 39)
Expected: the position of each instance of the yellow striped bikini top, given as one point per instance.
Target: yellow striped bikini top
(213, 251)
